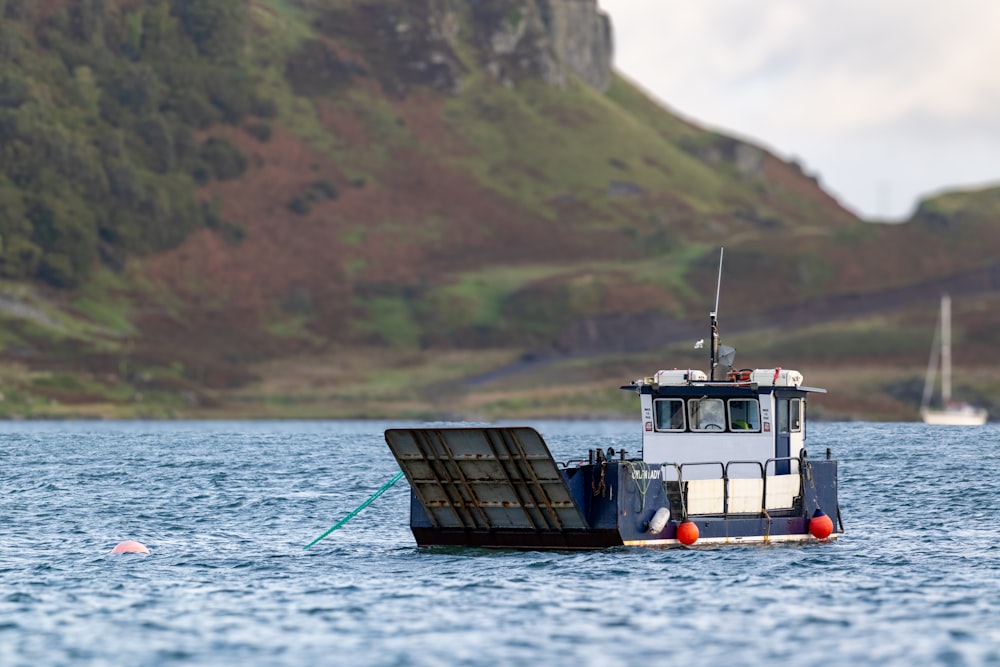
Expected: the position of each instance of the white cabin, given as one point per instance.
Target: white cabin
(750, 425)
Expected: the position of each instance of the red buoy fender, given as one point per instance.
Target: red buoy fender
(820, 525)
(687, 533)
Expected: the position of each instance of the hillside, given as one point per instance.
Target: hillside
(304, 208)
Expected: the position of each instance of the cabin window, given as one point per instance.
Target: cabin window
(744, 414)
(669, 414)
(795, 414)
(790, 415)
(707, 414)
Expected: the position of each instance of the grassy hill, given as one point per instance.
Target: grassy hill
(301, 208)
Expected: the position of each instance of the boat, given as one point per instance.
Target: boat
(951, 412)
(721, 461)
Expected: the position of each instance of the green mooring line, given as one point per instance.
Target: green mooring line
(385, 487)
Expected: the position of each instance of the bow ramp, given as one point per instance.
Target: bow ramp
(489, 486)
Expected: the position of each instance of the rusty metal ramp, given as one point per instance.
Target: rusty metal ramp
(485, 479)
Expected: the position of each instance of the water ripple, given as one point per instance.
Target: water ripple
(226, 508)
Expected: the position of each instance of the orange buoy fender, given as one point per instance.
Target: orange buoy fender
(130, 547)
(820, 526)
(687, 533)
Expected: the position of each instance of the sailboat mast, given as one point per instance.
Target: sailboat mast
(946, 349)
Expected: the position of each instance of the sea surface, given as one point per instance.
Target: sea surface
(227, 507)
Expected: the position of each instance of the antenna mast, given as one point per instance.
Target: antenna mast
(714, 351)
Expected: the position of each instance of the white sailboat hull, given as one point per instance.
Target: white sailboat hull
(961, 416)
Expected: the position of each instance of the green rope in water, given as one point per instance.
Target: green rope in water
(385, 487)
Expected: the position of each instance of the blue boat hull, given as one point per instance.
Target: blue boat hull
(498, 487)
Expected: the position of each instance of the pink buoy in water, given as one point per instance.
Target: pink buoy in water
(130, 547)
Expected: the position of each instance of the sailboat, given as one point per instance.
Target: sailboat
(951, 413)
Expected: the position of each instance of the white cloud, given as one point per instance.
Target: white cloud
(888, 101)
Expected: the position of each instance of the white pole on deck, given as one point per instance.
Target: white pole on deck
(714, 346)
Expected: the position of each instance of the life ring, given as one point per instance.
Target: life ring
(742, 375)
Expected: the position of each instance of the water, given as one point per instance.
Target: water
(226, 507)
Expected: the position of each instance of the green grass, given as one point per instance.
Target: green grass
(296, 327)
(545, 142)
(643, 109)
(104, 301)
(670, 271)
(478, 298)
(483, 299)
(95, 322)
(389, 319)
(873, 338)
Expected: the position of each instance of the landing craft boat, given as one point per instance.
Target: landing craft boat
(721, 462)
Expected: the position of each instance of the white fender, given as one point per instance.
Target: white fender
(659, 520)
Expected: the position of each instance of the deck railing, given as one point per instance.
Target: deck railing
(727, 494)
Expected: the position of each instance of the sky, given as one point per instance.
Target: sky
(885, 101)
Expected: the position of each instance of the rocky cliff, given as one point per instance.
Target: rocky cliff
(550, 39)
(420, 42)
(581, 37)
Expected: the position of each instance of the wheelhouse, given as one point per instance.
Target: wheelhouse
(752, 423)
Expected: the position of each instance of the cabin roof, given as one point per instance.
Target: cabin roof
(720, 389)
